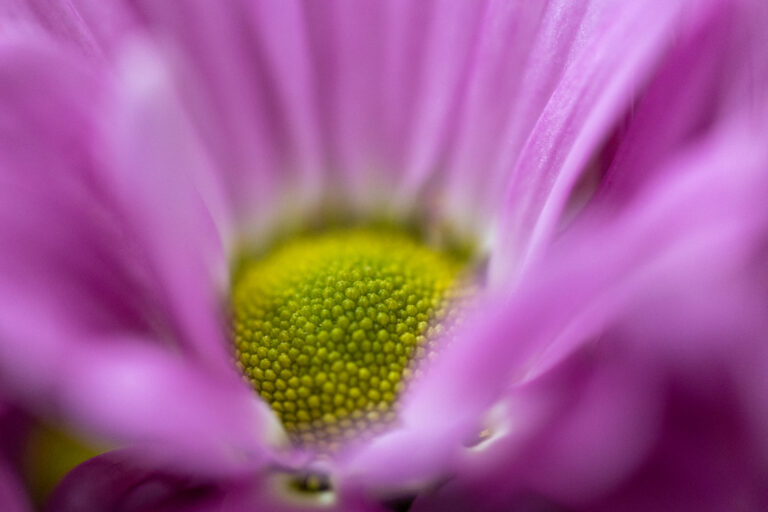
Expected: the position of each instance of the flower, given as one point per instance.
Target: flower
(599, 155)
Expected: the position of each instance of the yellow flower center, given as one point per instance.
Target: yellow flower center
(328, 327)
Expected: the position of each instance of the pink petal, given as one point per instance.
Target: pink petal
(183, 415)
(693, 233)
(170, 202)
(109, 309)
(712, 75)
(602, 73)
(57, 18)
(12, 496)
(117, 481)
(95, 28)
(221, 77)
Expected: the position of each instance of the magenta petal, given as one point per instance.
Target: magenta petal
(60, 19)
(503, 92)
(117, 223)
(704, 217)
(12, 496)
(623, 432)
(113, 482)
(170, 202)
(440, 78)
(222, 80)
(116, 481)
(109, 262)
(189, 417)
(92, 27)
(707, 210)
(596, 86)
(290, 78)
(711, 75)
(651, 415)
(710, 469)
(576, 432)
(63, 268)
(110, 23)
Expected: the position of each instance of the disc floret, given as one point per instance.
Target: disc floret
(329, 327)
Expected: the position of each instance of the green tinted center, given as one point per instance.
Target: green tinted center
(328, 327)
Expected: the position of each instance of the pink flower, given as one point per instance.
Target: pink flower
(604, 159)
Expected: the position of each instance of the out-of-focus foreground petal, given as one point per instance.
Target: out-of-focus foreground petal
(693, 238)
(578, 71)
(93, 27)
(116, 481)
(715, 72)
(659, 76)
(106, 279)
(113, 482)
(13, 497)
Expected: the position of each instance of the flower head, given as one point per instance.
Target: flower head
(369, 255)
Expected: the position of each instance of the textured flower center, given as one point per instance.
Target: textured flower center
(329, 327)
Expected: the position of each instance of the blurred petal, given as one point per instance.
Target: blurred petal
(63, 261)
(107, 263)
(93, 27)
(222, 78)
(115, 481)
(712, 75)
(190, 418)
(57, 18)
(651, 414)
(80, 192)
(503, 94)
(459, 109)
(692, 233)
(596, 86)
(12, 497)
(109, 22)
(615, 429)
(577, 430)
(170, 202)
(440, 80)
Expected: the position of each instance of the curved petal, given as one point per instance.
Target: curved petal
(116, 481)
(575, 432)
(188, 417)
(63, 262)
(220, 73)
(170, 202)
(713, 74)
(116, 207)
(656, 413)
(436, 106)
(59, 19)
(628, 430)
(692, 234)
(617, 50)
(12, 497)
(91, 26)
(109, 260)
